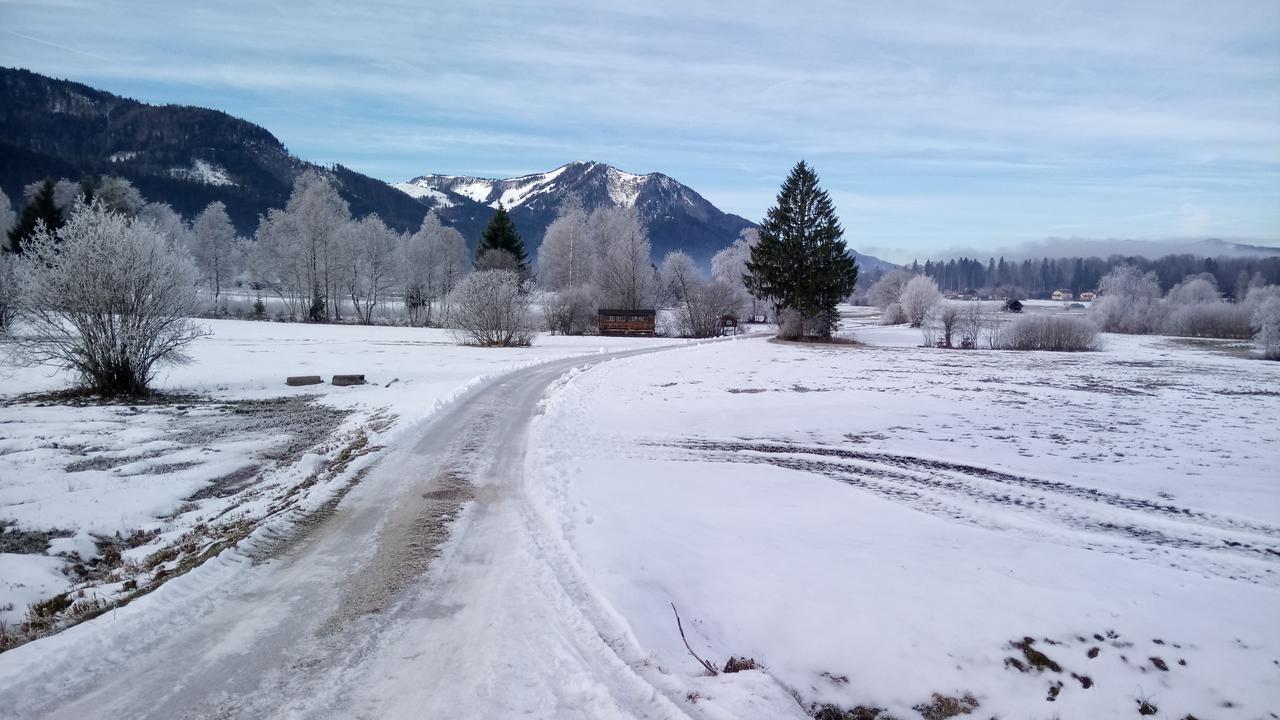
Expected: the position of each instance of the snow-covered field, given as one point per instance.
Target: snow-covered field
(1050, 535)
(112, 499)
(1042, 535)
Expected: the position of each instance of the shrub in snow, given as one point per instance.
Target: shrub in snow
(893, 315)
(941, 322)
(1195, 290)
(1267, 320)
(497, 259)
(919, 295)
(106, 297)
(488, 308)
(571, 311)
(705, 304)
(1210, 320)
(1051, 332)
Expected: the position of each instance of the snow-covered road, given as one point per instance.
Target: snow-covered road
(376, 609)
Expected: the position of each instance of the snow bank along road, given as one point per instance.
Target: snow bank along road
(384, 608)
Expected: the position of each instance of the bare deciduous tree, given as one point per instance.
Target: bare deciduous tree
(1266, 318)
(676, 275)
(214, 248)
(1130, 302)
(7, 215)
(567, 257)
(624, 274)
(106, 297)
(918, 296)
(116, 194)
(365, 258)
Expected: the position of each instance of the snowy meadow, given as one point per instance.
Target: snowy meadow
(1043, 534)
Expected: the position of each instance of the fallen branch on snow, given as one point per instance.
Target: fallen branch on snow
(711, 669)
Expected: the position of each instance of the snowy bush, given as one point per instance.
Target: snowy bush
(893, 315)
(488, 308)
(941, 322)
(1194, 290)
(106, 297)
(1050, 332)
(1267, 320)
(1209, 320)
(705, 304)
(571, 311)
(919, 295)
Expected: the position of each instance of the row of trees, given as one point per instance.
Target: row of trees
(1038, 278)
(1131, 302)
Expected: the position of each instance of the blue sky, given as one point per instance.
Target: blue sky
(934, 125)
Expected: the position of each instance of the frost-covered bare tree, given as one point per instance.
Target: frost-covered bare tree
(214, 249)
(706, 303)
(116, 194)
(170, 224)
(730, 266)
(1195, 289)
(919, 295)
(278, 262)
(1266, 318)
(567, 263)
(624, 275)
(105, 296)
(888, 289)
(1194, 308)
(7, 215)
(432, 262)
(65, 193)
(365, 259)
(677, 273)
(489, 308)
(498, 259)
(571, 311)
(295, 248)
(941, 322)
(567, 257)
(8, 291)
(1130, 302)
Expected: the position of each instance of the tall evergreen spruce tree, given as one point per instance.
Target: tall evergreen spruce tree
(801, 261)
(501, 234)
(41, 207)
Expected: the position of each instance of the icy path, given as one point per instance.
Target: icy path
(376, 611)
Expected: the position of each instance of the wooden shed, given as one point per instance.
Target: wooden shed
(628, 322)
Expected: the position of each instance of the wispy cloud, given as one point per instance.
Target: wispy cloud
(1000, 122)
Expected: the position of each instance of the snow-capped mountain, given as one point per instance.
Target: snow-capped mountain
(677, 216)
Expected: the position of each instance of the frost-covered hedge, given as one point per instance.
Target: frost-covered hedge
(1058, 333)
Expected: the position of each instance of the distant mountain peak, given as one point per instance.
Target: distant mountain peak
(677, 216)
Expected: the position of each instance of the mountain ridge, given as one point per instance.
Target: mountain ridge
(678, 218)
(190, 156)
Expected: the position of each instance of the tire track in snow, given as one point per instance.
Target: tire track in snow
(1106, 521)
